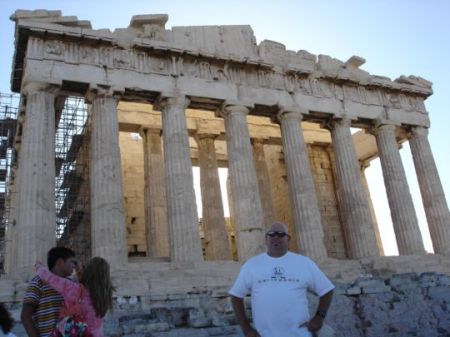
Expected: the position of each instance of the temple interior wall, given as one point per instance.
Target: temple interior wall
(322, 168)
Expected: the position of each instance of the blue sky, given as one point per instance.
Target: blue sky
(402, 37)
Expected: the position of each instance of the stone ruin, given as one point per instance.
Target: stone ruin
(155, 103)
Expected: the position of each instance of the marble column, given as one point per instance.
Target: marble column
(358, 225)
(107, 211)
(216, 238)
(376, 228)
(262, 173)
(244, 184)
(433, 197)
(233, 234)
(36, 218)
(305, 208)
(182, 214)
(156, 227)
(404, 219)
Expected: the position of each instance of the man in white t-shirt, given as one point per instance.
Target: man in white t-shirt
(278, 282)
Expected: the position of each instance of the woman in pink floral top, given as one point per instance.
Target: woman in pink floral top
(95, 288)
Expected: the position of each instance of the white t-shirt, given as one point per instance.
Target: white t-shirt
(278, 288)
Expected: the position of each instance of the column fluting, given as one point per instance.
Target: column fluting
(155, 204)
(356, 217)
(404, 219)
(262, 174)
(216, 239)
(182, 214)
(244, 184)
(302, 191)
(36, 219)
(108, 235)
(433, 197)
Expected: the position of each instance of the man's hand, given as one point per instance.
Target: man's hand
(27, 321)
(239, 310)
(314, 324)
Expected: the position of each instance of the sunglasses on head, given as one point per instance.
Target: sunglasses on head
(280, 234)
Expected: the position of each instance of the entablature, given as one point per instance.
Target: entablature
(211, 65)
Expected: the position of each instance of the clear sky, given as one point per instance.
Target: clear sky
(401, 37)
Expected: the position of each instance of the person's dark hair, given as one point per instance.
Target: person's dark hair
(58, 253)
(6, 321)
(97, 279)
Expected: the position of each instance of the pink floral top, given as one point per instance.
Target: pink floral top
(71, 292)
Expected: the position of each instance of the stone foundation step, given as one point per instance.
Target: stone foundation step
(151, 329)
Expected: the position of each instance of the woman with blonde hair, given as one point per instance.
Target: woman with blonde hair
(92, 296)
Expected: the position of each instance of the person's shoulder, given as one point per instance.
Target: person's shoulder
(36, 278)
(255, 259)
(36, 281)
(295, 255)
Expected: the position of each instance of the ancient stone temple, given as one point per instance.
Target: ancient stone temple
(158, 102)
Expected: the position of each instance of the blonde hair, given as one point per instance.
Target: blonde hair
(97, 279)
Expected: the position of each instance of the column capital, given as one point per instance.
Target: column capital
(363, 164)
(144, 130)
(258, 141)
(378, 126)
(290, 112)
(32, 87)
(205, 135)
(228, 108)
(101, 91)
(171, 99)
(332, 122)
(419, 131)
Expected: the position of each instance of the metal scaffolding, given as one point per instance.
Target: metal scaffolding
(70, 166)
(9, 104)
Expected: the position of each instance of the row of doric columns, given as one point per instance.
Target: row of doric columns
(171, 210)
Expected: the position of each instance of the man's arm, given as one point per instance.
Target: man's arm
(241, 317)
(316, 322)
(26, 314)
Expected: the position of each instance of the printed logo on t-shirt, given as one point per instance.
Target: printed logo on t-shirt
(278, 274)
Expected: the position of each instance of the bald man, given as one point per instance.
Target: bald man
(278, 281)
